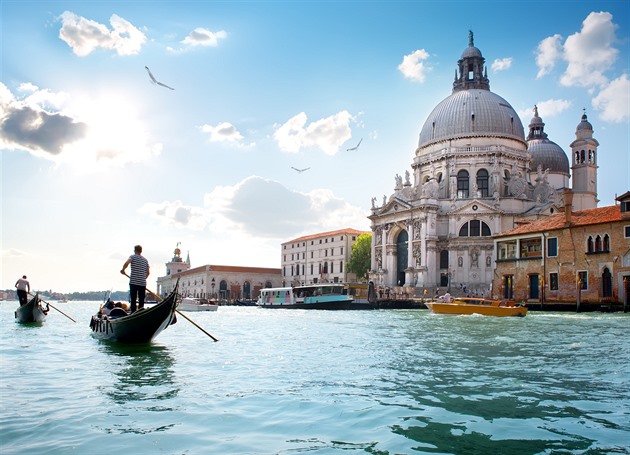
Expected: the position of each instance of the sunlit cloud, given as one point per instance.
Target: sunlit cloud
(259, 208)
(613, 101)
(546, 109)
(327, 134)
(549, 52)
(224, 132)
(414, 67)
(176, 214)
(502, 64)
(84, 36)
(203, 37)
(589, 55)
(86, 132)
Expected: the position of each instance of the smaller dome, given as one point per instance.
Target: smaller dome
(584, 124)
(548, 155)
(471, 51)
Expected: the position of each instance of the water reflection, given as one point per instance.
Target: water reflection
(143, 384)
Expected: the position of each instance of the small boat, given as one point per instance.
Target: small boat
(245, 302)
(139, 327)
(31, 311)
(197, 304)
(474, 305)
(325, 296)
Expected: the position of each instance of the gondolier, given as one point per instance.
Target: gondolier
(138, 278)
(23, 288)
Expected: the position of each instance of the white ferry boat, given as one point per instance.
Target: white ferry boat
(196, 304)
(324, 296)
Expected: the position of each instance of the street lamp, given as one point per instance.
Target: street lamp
(212, 286)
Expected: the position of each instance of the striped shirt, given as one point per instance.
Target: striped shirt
(139, 267)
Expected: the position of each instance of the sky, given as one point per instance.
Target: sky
(96, 158)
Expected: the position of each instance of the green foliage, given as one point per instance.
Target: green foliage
(360, 257)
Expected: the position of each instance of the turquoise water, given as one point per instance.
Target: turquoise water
(319, 382)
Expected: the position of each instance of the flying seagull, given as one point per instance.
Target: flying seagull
(155, 81)
(355, 147)
(300, 170)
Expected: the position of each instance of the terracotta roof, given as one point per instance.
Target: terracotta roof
(598, 215)
(328, 234)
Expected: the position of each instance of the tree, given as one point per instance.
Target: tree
(360, 256)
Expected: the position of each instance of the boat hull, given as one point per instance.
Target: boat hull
(31, 312)
(184, 306)
(482, 307)
(139, 327)
(315, 303)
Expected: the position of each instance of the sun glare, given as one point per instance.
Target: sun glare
(116, 133)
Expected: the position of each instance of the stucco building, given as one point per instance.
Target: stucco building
(555, 258)
(475, 174)
(318, 258)
(224, 282)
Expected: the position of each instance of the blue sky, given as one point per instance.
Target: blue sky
(96, 158)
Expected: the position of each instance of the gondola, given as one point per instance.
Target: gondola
(31, 312)
(139, 327)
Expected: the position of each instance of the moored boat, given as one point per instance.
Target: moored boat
(139, 327)
(197, 304)
(32, 311)
(473, 305)
(325, 296)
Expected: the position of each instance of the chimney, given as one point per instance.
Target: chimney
(568, 206)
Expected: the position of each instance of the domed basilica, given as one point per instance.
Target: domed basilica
(474, 174)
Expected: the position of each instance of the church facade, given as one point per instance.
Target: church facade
(475, 174)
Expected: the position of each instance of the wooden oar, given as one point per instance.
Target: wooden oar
(181, 314)
(51, 305)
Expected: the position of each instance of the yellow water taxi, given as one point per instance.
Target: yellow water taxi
(473, 305)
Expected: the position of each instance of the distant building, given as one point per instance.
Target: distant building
(223, 282)
(476, 172)
(554, 258)
(319, 258)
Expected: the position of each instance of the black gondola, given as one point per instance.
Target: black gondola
(139, 327)
(31, 312)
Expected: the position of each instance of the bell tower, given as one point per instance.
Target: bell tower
(584, 166)
(177, 265)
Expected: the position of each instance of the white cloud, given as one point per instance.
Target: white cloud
(222, 132)
(327, 134)
(502, 64)
(546, 109)
(258, 208)
(590, 52)
(85, 36)
(203, 37)
(176, 214)
(413, 65)
(549, 52)
(613, 100)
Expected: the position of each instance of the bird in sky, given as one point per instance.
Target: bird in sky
(355, 147)
(155, 81)
(300, 170)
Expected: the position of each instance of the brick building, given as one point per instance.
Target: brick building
(552, 259)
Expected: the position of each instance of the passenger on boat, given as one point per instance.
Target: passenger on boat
(107, 308)
(447, 297)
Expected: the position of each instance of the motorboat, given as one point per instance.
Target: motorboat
(475, 305)
(197, 304)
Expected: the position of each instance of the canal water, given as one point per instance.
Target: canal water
(319, 382)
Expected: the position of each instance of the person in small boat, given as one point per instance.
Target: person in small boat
(107, 308)
(447, 297)
(138, 278)
(23, 289)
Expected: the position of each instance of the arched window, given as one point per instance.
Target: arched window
(598, 243)
(475, 228)
(482, 183)
(606, 242)
(590, 246)
(462, 184)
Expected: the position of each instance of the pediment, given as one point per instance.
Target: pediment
(474, 207)
(395, 205)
